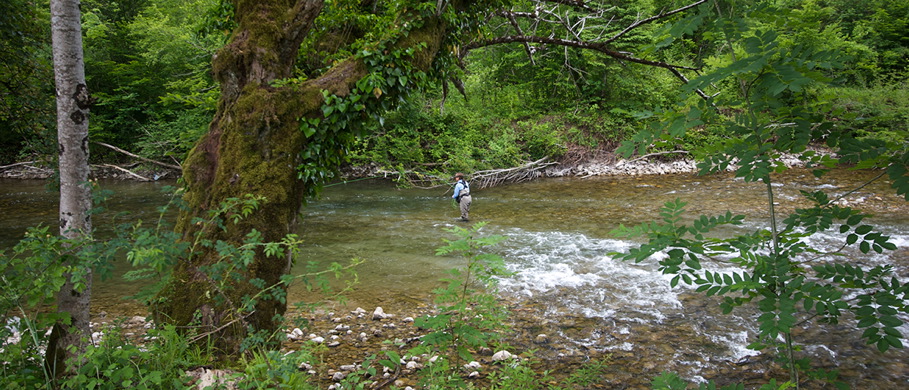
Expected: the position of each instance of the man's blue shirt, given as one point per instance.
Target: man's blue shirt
(458, 187)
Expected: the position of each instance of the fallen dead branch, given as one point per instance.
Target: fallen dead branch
(479, 179)
(127, 171)
(26, 164)
(494, 177)
(18, 164)
(114, 148)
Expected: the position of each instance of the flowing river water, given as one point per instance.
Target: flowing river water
(558, 243)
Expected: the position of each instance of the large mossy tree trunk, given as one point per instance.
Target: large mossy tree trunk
(254, 146)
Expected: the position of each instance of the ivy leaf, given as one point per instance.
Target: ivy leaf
(308, 131)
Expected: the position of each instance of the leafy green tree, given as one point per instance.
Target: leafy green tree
(278, 134)
(149, 65)
(281, 129)
(26, 75)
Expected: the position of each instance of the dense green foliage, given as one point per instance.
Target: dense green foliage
(26, 80)
(148, 65)
(778, 93)
(783, 76)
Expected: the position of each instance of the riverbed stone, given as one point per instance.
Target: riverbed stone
(502, 355)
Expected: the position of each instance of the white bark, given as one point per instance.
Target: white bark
(75, 191)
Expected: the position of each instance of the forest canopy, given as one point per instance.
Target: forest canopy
(148, 64)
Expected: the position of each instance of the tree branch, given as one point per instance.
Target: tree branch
(17, 164)
(166, 165)
(596, 46)
(127, 171)
(517, 29)
(653, 18)
(574, 3)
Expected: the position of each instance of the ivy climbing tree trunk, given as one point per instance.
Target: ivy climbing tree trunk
(254, 146)
(71, 334)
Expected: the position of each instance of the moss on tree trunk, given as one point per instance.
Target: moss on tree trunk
(254, 147)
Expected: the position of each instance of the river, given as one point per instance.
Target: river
(558, 240)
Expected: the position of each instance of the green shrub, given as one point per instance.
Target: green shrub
(118, 363)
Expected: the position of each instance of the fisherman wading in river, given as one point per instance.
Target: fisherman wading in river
(462, 195)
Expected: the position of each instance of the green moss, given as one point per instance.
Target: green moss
(431, 34)
(254, 147)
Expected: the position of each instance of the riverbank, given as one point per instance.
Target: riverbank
(600, 164)
(342, 339)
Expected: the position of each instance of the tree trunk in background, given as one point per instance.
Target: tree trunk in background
(254, 146)
(69, 340)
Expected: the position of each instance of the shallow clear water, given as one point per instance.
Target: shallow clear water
(558, 240)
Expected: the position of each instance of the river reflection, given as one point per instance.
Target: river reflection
(557, 244)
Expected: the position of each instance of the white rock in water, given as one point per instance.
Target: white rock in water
(295, 334)
(379, 314)
(317, 340)
(502, 355)
(348, 367)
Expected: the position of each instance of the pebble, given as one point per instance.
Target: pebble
(295, 334)
(502, 355)
(348, 367)
(379, 314)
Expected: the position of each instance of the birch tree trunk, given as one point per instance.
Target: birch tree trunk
(70, 337)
